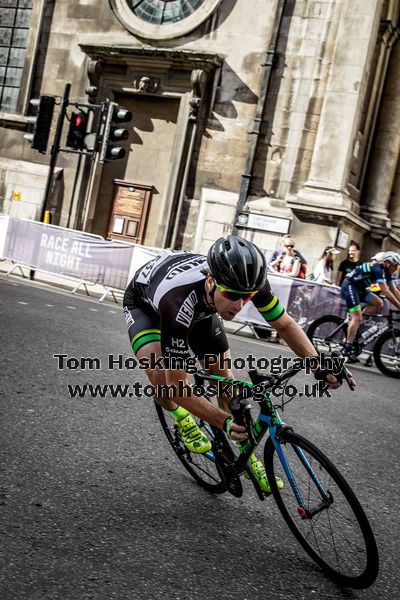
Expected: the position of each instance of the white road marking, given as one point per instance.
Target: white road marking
(112, 311)
(22, 303)
(50, 305)
(94, 309)
(73, 307)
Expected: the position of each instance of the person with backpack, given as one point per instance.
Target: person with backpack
(289, 261)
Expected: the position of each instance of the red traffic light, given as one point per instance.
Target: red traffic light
(77, 130)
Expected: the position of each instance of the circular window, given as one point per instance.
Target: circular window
(162, 19)
(163, 12)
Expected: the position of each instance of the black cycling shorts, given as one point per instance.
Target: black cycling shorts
(354, 295)
(206, 336)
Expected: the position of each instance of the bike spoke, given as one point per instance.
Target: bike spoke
(205, 471)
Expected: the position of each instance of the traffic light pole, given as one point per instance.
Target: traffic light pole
(55, 148)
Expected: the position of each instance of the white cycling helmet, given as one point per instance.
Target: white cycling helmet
(391, 257)
(378, 256)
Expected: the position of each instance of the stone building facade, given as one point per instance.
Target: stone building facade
(255, 117)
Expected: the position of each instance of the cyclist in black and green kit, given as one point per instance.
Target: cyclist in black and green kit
(177, 303)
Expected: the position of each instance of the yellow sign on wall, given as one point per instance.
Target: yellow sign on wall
(16, 196)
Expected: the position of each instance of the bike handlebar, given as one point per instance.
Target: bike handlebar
(240, 406)
(269, 381)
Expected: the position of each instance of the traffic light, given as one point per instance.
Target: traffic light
(41, 123)
(77, 130)
(114, 133)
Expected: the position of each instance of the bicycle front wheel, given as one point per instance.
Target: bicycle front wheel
(387, 353)
(324, 335)
(204, 468)
(329, 523)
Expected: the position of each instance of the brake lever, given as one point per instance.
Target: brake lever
(240, 409)
(344, 373)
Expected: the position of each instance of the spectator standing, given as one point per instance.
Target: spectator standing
(352, 261)
(323, 271)
(290, 261)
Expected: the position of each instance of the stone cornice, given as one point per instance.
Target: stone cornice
(326, 215)
(11, 121)
(127, 54)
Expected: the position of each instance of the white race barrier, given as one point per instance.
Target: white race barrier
(304, 300)
(90, 259)
(84, 257)
(4, 221)
(140, 256)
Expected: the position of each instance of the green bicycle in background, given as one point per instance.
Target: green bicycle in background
(316, 501)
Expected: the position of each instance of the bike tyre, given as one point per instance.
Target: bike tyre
(333, 319)
(360, 580)
(189, 460)
(382, 339)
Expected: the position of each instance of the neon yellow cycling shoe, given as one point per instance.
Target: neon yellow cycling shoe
(193, 438)
(258, 469)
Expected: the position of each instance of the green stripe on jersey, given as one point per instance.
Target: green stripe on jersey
(272, 311)
(269, 306)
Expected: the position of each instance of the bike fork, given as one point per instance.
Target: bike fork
(301, 509)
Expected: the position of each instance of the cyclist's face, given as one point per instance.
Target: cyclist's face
(228, 309)
(227, 304)
(390, 268)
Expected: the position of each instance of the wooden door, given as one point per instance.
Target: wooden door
(129, 211)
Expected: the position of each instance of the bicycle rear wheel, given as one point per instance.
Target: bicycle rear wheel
(387, 353)
(321, 333)
(206, 468)
(333, 529)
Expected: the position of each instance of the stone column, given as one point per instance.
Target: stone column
(386, 149)
(394, 209)
(341, 109)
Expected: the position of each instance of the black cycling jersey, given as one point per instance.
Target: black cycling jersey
(166, 301)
